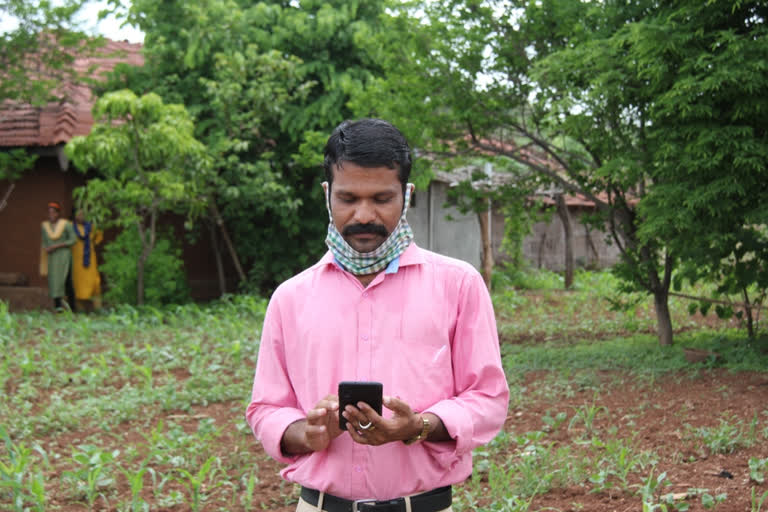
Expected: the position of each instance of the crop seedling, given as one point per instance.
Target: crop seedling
(650, 492)
(194, 482)
(17, 479)
(757, 469)
(499, 480)
(709, 502)
(513, 504)
(756, 501)
(535, 469)
(618, 462)
(36, 487)
(725, 438)
(92, 476)
(751, 435)
(246, 500)
(587, 414)
(136, 481)
(554, 423)
(159, 480)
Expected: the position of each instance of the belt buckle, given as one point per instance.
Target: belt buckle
(360, 502)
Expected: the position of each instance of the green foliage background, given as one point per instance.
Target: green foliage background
(165, 278)
(266, 83)
(653, 110)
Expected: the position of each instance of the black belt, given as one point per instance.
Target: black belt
(431, 501)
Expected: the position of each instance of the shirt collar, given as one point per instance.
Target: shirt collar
(413, 255)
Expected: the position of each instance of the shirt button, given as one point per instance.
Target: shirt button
(358, 469)
(365, 294)
(364, 336)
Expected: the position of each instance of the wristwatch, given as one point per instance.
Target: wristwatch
(421, 435)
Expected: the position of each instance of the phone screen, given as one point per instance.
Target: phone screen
(352, 392)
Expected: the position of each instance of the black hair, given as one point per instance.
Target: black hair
(368, 143)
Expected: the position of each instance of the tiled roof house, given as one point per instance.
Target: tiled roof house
(57, 123)
(43, 132)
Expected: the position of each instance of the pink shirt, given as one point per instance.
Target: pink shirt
(427, 332)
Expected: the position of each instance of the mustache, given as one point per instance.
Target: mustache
(365, 229)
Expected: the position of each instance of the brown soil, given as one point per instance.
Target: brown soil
(656, 416)
(659, 417)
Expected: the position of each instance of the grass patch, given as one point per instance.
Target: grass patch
(636, 354)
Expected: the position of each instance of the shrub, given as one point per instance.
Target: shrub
(526, 278)
(165, 281)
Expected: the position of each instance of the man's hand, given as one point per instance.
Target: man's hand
(322, 425)
(316, 432)
(403, 425)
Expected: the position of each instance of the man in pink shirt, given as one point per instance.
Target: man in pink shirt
(377, 307)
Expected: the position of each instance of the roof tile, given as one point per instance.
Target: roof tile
(57, 123)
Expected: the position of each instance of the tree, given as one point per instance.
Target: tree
(710, 176)
(149, 162)
(654, 111)
(37, 55)
(548, 85)
(266, 83)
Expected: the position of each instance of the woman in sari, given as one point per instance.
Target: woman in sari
(85, 273)
(55, 254)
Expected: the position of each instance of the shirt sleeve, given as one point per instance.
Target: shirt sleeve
(68, 237)
(273, 404)
(478, 411)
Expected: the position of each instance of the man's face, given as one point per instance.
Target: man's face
(366, 204)
(53, 214)
(80, 216)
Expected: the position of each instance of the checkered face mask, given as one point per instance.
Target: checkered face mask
(362, 263)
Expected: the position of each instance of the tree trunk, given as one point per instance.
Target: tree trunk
(225, 235)
(748, 314)
(146, 249)
(140, 266)
(660, 290)
(217, 256)
(663, 317)
(540, 251)
(565, 218)
(485, 233)
(140, 280)
(595, 263)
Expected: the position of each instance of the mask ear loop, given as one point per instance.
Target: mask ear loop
(327, 200)
(410, 188)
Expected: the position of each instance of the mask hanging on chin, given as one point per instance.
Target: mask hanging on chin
(363, 263)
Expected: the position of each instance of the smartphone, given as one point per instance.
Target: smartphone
(352, 392)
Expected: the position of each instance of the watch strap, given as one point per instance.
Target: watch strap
(421, 435)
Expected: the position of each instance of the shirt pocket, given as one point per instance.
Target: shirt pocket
(423, 371)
